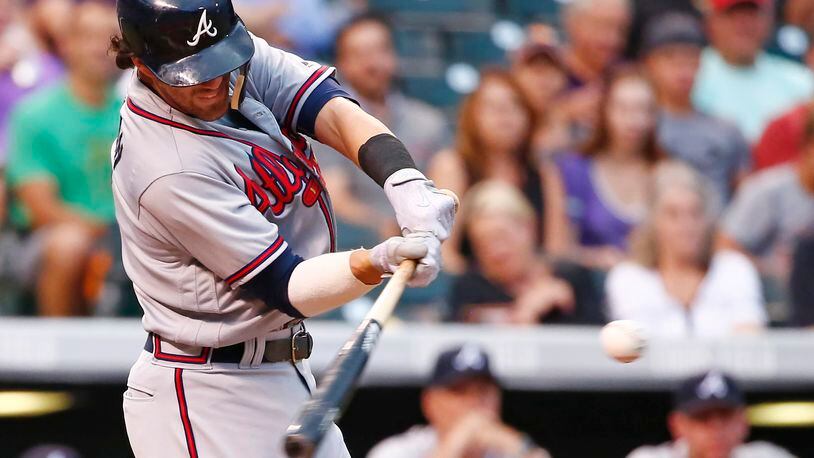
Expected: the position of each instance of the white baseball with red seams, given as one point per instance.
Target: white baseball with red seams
(623, 340)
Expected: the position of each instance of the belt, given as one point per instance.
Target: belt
(295, 348)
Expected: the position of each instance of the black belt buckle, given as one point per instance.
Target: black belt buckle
(301, 343)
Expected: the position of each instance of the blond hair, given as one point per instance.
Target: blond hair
(666, 177)
(496, 197)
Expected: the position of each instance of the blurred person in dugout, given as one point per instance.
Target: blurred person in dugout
(738, 80)
(493, 143)
(367, 63)
(709, 420)
(509, 280)
(675, 284)
(596, 33)
(59, 170)
(783, 139)
(462, 406)
(671, 51)
(770, 212)
(597, 195)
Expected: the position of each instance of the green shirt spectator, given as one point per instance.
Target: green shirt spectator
(55, 136)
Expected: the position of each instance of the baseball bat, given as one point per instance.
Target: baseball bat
(332, 395)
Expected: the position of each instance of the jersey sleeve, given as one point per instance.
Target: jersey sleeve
(285, 82)
(214, 223)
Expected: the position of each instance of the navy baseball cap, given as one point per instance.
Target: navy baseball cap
(707, 391)
(51, 451)
(672, 29)
(461, 363)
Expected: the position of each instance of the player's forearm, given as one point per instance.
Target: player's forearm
(345, 127)
(322, 283)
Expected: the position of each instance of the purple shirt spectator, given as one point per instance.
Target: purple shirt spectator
(596, 223)
(27, 75)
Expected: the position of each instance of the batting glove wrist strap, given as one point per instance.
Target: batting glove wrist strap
(419, 205)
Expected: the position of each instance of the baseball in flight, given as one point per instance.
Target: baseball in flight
(623, 340)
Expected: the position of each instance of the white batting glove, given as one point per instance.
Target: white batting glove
(422, 247)
(419, 205)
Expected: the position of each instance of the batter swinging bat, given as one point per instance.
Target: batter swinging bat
(331, 397)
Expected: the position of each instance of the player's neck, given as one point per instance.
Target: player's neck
(90, 93)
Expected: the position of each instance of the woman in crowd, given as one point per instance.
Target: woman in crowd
(509, 281)
(675, 285)
(493, 142)
(542, 77)
(597, 196)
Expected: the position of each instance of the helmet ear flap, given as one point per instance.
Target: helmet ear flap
(239, 92)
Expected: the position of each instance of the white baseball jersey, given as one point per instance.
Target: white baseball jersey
(205, 206)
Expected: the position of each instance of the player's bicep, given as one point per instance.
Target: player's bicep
(214, 223)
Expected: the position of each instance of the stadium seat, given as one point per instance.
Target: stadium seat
(434, 91)
(530, 10)
(474, 48)
(414, 43)
(431, 5)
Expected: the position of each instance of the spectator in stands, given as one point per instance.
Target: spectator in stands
(26, 62)
(59, 164)
(771, 210)
(596, 31)
(782, 140)
(715, 148)
(740, 82)
(672, 51)
(596, 197)
(540, 73)
(709, 421)
(675, 285)
(462, 406)
(367, 62)
(645, 11)
(283, 24)
(509, 281)
(493, 142)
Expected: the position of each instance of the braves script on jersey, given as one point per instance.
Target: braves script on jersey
(203, 206)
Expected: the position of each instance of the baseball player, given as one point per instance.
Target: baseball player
(227, 230)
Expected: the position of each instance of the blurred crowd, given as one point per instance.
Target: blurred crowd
(649, 160)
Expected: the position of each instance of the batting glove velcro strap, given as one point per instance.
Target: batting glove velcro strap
(419, 205)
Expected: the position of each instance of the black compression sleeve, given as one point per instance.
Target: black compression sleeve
(383, 155)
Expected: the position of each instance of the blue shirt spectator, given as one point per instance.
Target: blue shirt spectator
(740, 82)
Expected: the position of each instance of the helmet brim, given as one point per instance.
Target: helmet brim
(229, 53)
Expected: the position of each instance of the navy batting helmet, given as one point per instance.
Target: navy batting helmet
(185, 42)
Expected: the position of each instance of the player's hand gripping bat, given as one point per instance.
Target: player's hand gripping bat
(332, 395)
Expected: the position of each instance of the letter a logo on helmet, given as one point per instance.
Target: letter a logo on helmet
(204, 27)
(185, 42)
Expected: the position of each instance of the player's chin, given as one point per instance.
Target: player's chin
(212, 109)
